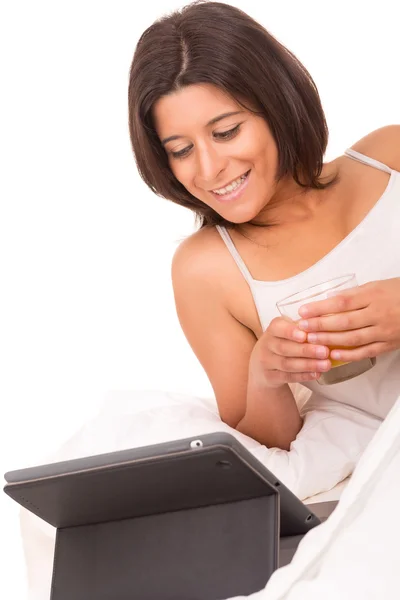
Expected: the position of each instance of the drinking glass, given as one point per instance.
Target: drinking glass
(289, 307)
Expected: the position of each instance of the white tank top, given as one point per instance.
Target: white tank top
(372, 252)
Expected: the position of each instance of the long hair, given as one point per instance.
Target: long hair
(214, 43)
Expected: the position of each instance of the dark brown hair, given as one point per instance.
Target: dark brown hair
(211, 42)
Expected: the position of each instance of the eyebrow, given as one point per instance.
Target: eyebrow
(212, 122)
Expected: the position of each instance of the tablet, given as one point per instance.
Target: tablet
(214, 468)
(194, 519)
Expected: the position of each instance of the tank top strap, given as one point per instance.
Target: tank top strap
(367, 160)
(235, 254)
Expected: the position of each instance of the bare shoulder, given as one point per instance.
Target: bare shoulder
(382, 144)
(203, 265)
(196, 270)
(197, 258)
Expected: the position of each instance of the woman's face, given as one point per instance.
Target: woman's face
(221, 153)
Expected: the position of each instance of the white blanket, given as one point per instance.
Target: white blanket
(325, 452)
(355, 554)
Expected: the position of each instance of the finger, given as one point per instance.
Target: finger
(353, 299)
(368, 351)
(300, 365)
(354, 338)
(280, 377)
(346, 321)
(286, 329)
(292, 349)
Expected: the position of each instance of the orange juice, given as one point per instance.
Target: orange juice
(339, 363)
(289, 308)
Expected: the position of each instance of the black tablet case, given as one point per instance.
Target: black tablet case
(188, 524)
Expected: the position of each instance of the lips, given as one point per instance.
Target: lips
(234, 194)
(237, 181)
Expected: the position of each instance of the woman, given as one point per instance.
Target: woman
(225, 121)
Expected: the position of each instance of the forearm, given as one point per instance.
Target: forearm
(272, 417)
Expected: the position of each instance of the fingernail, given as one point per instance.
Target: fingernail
(336, 355)
(303, 324)
(300, 336)
(324, 365)
(312, 338)
(303, 311)
(321, 352)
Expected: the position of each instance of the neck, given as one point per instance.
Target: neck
(292, 203)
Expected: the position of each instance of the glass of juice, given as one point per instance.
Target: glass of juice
(289, 307)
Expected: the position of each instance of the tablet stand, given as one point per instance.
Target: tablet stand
(207, 553)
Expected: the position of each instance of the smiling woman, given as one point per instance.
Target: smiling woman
(227, 122)
(228, 161)
(205, 56)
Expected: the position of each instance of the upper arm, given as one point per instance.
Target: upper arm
(383, 145)
(222, 345)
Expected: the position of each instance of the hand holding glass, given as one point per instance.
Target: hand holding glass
(289, 307)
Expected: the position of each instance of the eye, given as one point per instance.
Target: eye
(223, 135)
(226, 135)
(182, 153)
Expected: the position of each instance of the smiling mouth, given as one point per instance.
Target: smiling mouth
(232, 186)
(233, 190)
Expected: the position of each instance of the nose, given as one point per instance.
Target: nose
(210, 164)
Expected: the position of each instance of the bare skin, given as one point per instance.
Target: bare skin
(250, 369)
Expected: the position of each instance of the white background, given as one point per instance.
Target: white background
(85, 248)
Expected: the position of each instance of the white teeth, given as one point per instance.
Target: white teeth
(232, 186)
